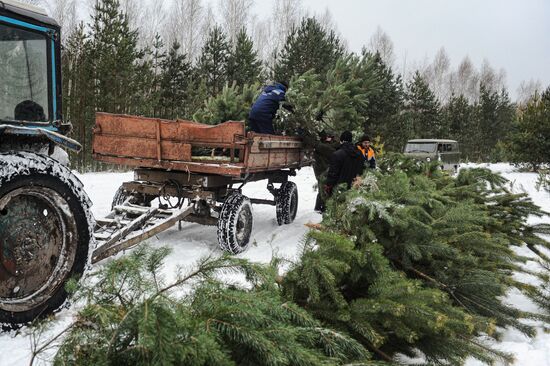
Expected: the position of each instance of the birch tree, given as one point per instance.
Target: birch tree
(234, 17)
(152, 22)
(286, 15)
(133, 10)
(527, 89)
(208, 23)
(64, 12)
(186, 26)
(262, 36)
(491, 79)
(437, 75)
(381, 43)
(465, 80)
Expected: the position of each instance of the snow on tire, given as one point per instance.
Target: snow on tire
(122, 195)
(235, 223)
(45, 234)
(286, 203)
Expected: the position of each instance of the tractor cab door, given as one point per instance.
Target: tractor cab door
(30, 89)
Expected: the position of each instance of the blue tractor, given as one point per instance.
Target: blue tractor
(45, 220)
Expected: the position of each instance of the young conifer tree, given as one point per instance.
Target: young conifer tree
(243, 65)
(151, 75)
(175, 84)
(530, 142)
(78, 93)
(212, 62)
(422, 109)
(232, 104)
(114, 55)
(458, 116)
(308, 47)
(384, 106)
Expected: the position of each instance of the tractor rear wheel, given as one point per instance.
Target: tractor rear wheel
(44, 235)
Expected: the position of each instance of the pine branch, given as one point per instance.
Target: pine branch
(541, 255)
(380, 353)
(438, 283)
(37, 351)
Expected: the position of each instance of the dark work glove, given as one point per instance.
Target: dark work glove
(319, 115)
(289, 107)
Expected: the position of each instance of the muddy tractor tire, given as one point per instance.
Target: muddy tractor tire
(286, 203)
(235, 223)
(45, 235)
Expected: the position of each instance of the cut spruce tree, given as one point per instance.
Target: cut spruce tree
(411, 260)
(133, 317)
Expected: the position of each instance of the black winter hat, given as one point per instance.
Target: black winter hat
(346, 136)
(284, 83)
(364, 138)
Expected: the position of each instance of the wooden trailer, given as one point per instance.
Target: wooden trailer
(196, 173)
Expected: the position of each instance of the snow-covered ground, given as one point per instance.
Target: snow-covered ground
(535, 351)
(196, 241)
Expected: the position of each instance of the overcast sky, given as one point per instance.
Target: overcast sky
(510, 34)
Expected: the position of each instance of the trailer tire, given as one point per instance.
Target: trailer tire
(235, 223)
(45, 225)
(121, 195)
(286, 203)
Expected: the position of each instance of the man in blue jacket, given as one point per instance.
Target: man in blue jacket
(265, 108)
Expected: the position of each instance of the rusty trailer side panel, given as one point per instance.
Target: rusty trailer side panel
(164, 144)
(179, 130)
(123, 146)
(271, 152)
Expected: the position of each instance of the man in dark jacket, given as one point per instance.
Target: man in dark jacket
(265, 108)
(322, 153)
(346, 164)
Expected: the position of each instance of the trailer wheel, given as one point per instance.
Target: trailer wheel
(122, 195)
(44, 235)
(286, 203)
(235, 223)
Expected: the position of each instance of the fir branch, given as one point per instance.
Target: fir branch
(37, 350)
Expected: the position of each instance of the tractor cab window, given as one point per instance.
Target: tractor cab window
(23, 75)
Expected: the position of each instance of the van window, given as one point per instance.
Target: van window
(445, 147)
(422, 147)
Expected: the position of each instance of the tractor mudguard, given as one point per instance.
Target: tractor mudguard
(53, 136)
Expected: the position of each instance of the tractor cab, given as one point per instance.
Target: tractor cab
(30, 70)
(45, 222)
